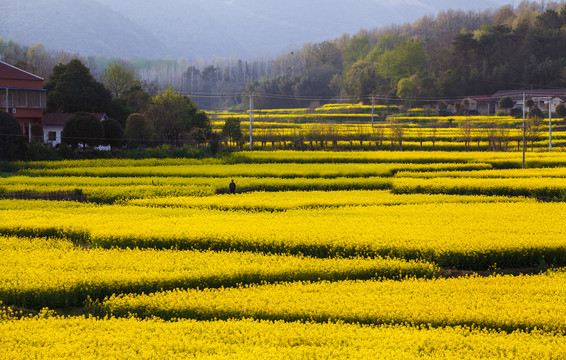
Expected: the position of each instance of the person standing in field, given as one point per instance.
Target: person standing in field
(232, 187)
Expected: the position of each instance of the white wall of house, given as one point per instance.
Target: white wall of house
(52, 135)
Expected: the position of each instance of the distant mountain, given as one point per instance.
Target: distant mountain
(82, 26)
(204, 28)
(191, 29)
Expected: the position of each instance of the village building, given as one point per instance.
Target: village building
(22, 95)
(483, 105)
(545, 98)
(53, 124)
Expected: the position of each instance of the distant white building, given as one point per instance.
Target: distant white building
(484, 105)
(545, 98)
(53, 124)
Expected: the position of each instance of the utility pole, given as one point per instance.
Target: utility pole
(372, 105)
(524, 130)
(549, 125)
(251, 121)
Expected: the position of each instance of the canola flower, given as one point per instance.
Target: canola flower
(289, 200)
(331, 107)
(116, 162)
(469, 236)
(288, 170)
(55, 273)
(537, 187)
(559, 172)
(506, 303)
(497, 159)
(128, 338)
(458, 119)
(110, 190)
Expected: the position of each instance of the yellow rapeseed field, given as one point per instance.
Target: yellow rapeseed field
(453, 234)
(117, 338)
(320, 254)
(498, 302)
(55, 273)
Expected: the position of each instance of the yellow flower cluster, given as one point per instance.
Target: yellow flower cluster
(497, 302)
(512, 159)
(117, 338)
(289, 170)
(55, 273)
(459, 119)
(559, 172)
(282, 201)
(330, 260)
(109, 190)
(538, 187)
(534, 159)
(452, 234)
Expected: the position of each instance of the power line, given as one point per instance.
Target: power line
(351, 99)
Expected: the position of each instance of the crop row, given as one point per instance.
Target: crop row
(119, 338)
(410, 131)
(537, 187)
(316, 117)
(109, 190)
(469, 236)
(558, 172)
(497, 302)
(283, 201)
(291, 143)
(499, 159)
(288, 170)
(55, 273)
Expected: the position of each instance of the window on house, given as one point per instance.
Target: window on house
(34, 100)
(3, 99)
(37, 99)
(52, 136)
(20, 99)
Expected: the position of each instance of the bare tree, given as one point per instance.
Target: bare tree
(397, 132)
(534, 125)
(434, 125)
(466, 129)
(379, 134)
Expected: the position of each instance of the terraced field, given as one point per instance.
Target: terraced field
(318, 255)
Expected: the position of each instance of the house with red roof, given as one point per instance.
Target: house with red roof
(484, 105)
(23, 96)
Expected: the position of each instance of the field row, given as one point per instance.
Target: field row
(287, 171)
(305, 119)
(496, 159)
(55, 273)
(506, 303)
(106, 190)
(90, 338)
(549, 172)
(110, 190)
(536, 187)
(283, 201)
(459, 235)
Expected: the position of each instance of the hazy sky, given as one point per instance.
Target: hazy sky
(205, 28)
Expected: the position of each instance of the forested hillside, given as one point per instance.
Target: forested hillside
(195, 29)
(453, 54)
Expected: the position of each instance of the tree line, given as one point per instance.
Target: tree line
(452, 54)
